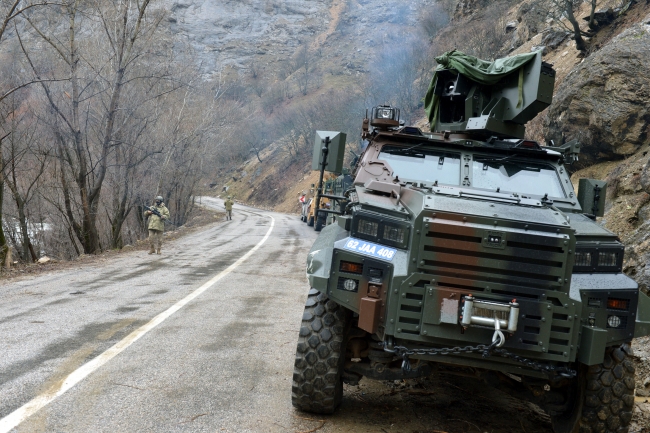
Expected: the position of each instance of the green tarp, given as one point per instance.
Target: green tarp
(481, 71)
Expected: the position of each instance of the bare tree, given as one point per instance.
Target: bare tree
(434, 18)
(304, 66)
(484, 36)
(565, 9)
(9, 11)
(258, 138)
(85, 110)
(23, 165)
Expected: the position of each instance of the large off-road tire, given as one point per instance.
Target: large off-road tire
(320, 356)
(318, 226)
(310, 221)
(604, 396)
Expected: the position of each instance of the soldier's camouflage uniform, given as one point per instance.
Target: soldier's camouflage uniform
(157, 227)
(228, 205)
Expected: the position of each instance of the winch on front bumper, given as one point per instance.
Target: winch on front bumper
(474, 273)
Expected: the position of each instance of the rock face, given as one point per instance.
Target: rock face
(236, 33)
(231, 32)
(604, 101)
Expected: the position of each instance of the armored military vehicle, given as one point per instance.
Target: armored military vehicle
(466, 250)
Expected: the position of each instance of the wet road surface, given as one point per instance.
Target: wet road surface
(222, 362)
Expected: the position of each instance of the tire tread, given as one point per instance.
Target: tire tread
(317, 375)
(607, 405)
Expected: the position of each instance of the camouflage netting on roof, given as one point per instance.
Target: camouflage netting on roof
(481, 71)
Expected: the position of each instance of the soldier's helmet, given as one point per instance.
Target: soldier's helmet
(159, 198)
(229, 197)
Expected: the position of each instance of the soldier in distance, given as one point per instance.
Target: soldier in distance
(228, 205)
(157, 225)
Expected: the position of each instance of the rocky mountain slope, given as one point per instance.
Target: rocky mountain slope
(235, 35)
(603, 102)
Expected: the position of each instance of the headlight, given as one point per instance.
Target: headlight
(348, 284)
(607, 258)
(616, 321)
(366, 227)
(394, 233)
(583, 258)
(377, 228)
(590, 258)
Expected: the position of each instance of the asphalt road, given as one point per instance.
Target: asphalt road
(200, 339)
(222, 361)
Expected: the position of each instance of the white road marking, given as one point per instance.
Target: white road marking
(30, 408)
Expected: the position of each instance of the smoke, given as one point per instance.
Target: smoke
(401, 71)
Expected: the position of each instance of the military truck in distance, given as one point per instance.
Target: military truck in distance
(465, 250)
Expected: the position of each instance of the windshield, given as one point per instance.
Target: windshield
(423, 165)
(516, 176)
(493, 172)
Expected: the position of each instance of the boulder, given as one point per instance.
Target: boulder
(603, 102)
(603, 17)
(553, 38)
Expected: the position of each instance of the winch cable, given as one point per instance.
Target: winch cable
(498, 335)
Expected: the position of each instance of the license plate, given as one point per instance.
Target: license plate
(370, 249)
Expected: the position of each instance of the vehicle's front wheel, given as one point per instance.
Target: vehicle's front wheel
(310, 221)
(603, 396)
(320, 356)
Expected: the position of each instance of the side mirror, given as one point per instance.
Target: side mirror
(591, 196)
(336, 151)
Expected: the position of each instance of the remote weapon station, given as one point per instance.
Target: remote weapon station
(465, 250)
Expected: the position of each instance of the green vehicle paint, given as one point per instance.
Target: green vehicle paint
(436, 219)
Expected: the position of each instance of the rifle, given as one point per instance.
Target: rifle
(154, 211)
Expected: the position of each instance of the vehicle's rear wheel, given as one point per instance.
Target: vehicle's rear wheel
(603, 396)
(320, 356)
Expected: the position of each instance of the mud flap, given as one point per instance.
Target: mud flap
(369, 309)
(592, 345)
(642, 325)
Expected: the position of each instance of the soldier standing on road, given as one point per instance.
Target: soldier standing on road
(157, 225)
(228, 205)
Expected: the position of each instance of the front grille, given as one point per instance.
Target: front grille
(409, 312)
(500, 264)
(522, 259)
